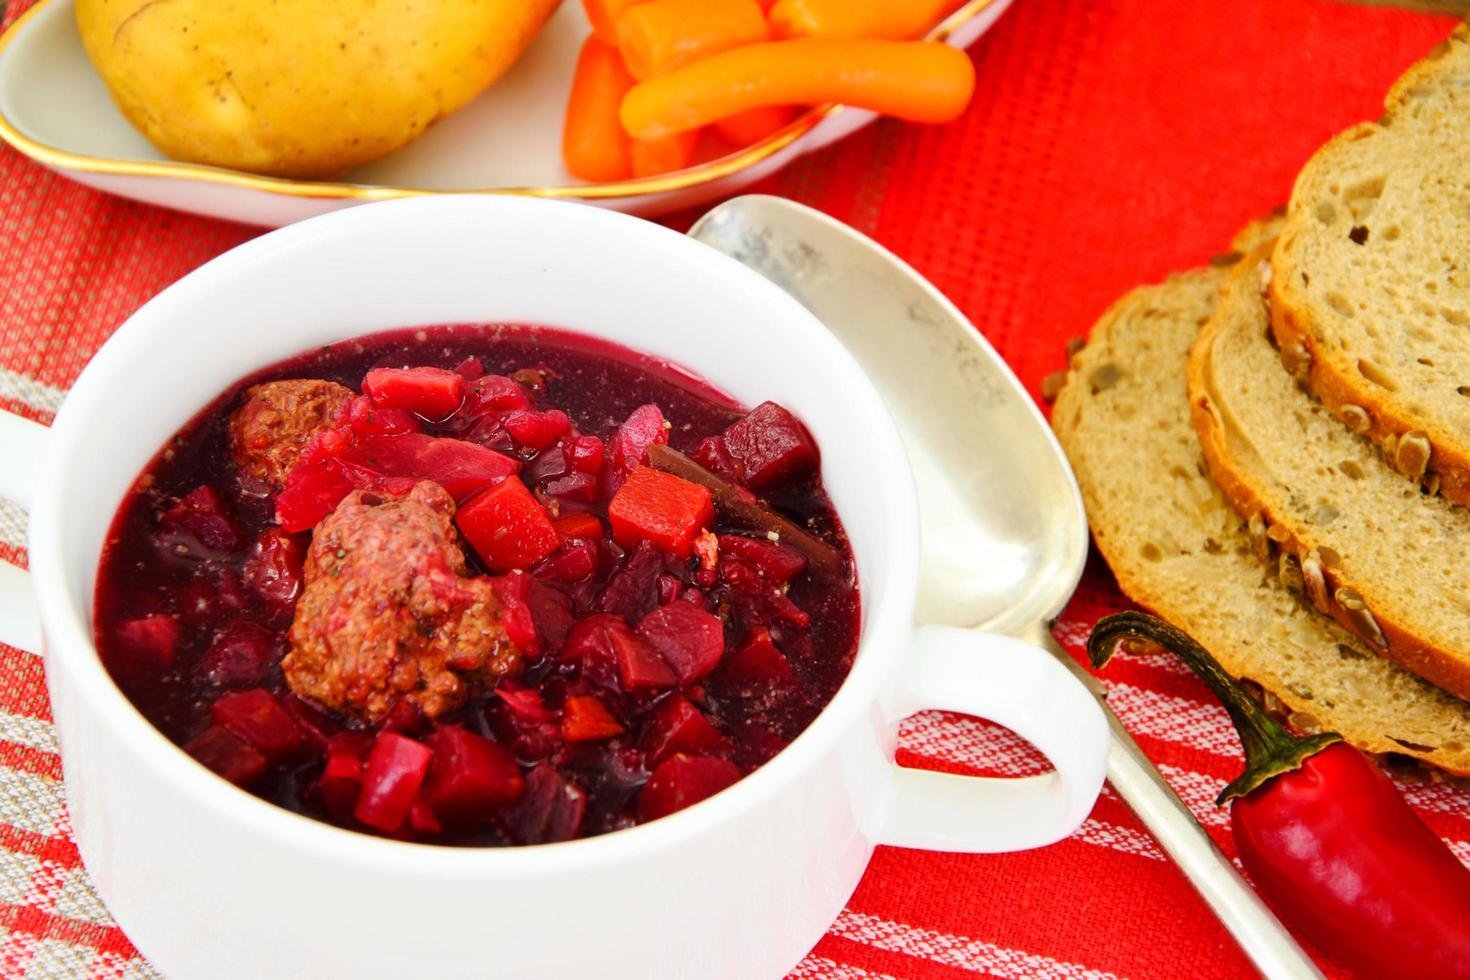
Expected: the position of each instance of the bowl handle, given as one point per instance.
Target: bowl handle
(22, 447)
(1027, 690)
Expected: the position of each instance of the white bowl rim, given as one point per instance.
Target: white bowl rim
(887, 604)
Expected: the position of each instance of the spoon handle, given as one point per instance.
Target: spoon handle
(1138, 781)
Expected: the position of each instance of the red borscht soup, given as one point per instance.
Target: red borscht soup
(480, 585)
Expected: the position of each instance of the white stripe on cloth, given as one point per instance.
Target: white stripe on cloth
(821, 968)
(34, 733)
(957, 951)
(30, 392)
(12, 524)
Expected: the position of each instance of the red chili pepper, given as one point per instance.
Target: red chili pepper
(1325, 835)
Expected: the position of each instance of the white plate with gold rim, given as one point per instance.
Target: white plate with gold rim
(55, 109)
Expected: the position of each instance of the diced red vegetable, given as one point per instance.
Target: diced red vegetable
(578, 524)
(199, 526)
(426, 391)
(368, 420)
(585, 719)
(525, 703)
(628, 447)
(461, 468)
(582, 487)
(681, 781)
(758, 663)
(551, 809)
(469, 776)
(150, 642)
(775, 562)
(662, 509)
(395, 769)
(495, 393)
(405, 718)
(228, 755)
(770, 446)
(507, 527)
(678, 726)
(259, 719)
(312, 491)
(632, 592)
(551, 610)
(537, 430)
(273, 571)
(470, 368)
(688, 639)
(422, 819)
(573, 562)
(341, 779)
(586, 454)
(514, 593)
(639, 665)
(240, 656)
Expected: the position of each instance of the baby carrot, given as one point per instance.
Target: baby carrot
(604, 16)
(661, 35)
(857, 18)
(593, 143)
(918, 81)
(663, 155)
(753, 125)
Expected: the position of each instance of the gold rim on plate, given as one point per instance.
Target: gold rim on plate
(661, 183)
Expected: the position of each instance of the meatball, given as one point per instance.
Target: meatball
(278, 419)
(387, 610)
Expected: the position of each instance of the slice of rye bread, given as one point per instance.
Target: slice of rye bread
(1370, 285)
(1178, 548)
(1323, 508)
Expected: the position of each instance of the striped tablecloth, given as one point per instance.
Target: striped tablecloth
(1111, 142)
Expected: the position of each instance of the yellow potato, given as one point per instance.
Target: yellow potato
(299, 88)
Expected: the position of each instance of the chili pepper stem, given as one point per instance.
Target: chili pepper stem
(1270, 749)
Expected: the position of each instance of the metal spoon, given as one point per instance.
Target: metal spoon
(1005, 534)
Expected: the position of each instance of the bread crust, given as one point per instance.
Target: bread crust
(1282, 532)
(1334, 376)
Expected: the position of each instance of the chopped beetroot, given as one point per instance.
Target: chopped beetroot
(578, 524)
(678, 726)
(368, 420)
(712, 455)
(422, 819)
(149, 643)
(341, 779)
(586, 454)
(770, 446)
(551, 611)
(272, 572)
(548, 464)
(395, 769)
(586, 719)
(584, 488)
(469, 776)
(632, 592)
(229, 756)
(758, 663)
(514, 593)
(312, 491)
(199, 526)
(470, 368)
(525, 704)
(213, 594)
(259, 719)
(537, 430)
(662, 509)
(689, 639)
(681, 781)
(496, 393)
(639, 665)
(317, 728)
(432, 393)
(461, 468)
(628, 447)
(775, 562)
(241, 655)
(669, 588)
(404, 718)
(507, 527)
(550, 811)
(574, 561)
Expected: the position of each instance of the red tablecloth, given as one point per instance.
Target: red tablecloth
(1111, 142)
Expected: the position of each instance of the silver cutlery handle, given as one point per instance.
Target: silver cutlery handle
(1138, 781)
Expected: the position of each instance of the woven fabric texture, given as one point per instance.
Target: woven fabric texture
(1110, 142)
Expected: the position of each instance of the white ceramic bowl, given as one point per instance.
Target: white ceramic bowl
(210, 881)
